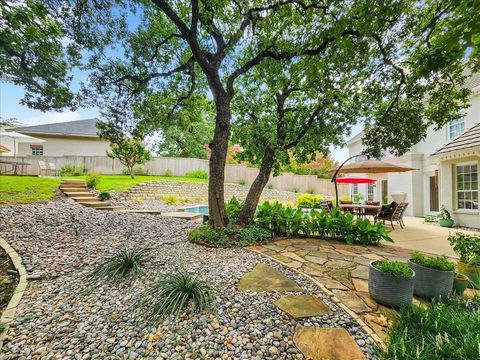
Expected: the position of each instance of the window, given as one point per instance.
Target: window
(370, 192)
(455, 128)
(37, 150)
(467, 187)
(354, 190)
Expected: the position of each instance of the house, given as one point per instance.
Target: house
(71, 138)
(447, 164)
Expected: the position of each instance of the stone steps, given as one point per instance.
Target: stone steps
(78, 191)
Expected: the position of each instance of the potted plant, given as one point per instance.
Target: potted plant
(444, 218)
(460, 283)
(433, 276)
(467, 247)
(391, 283)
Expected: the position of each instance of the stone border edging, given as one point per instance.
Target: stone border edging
(9, 312)
(337, 301)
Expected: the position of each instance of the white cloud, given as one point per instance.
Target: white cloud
(52, 117)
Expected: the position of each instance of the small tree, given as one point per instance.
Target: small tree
(130, 152)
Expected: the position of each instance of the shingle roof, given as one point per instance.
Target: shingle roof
(469, 140)
(77, 127)
(472, 81)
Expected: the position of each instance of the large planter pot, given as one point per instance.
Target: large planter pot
(448, 223)
(460, 283)
(388, 289)
(472, 272)
(431, 283)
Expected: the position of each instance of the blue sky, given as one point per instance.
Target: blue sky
(10, 96)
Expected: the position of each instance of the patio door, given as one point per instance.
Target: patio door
(434, 193)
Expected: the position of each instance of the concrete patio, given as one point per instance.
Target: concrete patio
(425, 237)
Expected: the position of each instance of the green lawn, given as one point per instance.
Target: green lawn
(26, 189)
(125, 182)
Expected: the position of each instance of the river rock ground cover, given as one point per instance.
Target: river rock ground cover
(61, 318)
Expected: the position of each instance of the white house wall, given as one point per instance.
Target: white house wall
(65, 146)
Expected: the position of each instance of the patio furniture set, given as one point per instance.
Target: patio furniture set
(47, 168)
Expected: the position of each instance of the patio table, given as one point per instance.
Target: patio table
(15, 165)
(359, 207)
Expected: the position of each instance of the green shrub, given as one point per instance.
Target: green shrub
(137, 170)
(125, 264)
(72, 170)
(444, 214)
(168, 173)
(437, 263)
(446, 329)
(296, 190)
(169, 199)
(230, 236)
(197, 174)
(175, 293)
(467, 247)
(357, 198)
(242, 182)
(309, 201)
(3, 326)
(395, 268)
(137, 200)
(104, 196)
(287, 221)
(270, 186)
(430, 219)
(233, 208)
(92, 180)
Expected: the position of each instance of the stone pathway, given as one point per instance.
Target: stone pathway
(313, 341)
(342, 269)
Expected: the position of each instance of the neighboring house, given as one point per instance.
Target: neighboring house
(71, 138)
(447, 163)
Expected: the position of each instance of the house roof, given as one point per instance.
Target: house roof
(354, 139)
(468, 140)
(473, 81)
(73, 128)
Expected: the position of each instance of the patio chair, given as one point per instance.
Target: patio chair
(371, 212)
(392, 212)
(43, 167)
(347, 209)
(326, 205)
(53, 169)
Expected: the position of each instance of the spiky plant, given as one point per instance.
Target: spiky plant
(175, 293)
(124, 265)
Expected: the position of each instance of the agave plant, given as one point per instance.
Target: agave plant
(124, 265)
(176, 292)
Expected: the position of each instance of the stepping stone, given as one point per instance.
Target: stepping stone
(295, 264)
(341, 275)
(263, 277)
(330, 283)
(361, 272)
(339, 264)
(273, 247)
(316, 260)
(373, 256)
(351, 300)
(360, 285)
(326, 344)
(282, 258)
(302, 306)
(293, 256)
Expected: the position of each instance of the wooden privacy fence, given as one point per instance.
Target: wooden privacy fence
(234, 173)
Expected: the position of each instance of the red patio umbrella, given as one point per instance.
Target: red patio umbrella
(355, 180)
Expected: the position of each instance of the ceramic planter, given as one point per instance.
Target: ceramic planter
(431, 283)
(472, 272)
(460, 283)
(448, 223)
(390, 290)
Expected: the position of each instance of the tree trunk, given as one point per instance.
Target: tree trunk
(245, 217)
(131, 170)
(216, 194)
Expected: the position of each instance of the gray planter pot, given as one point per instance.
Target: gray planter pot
(431, 283)
(388, 289)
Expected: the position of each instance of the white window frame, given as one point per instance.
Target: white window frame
(37, 150)
(470, 191)
(354, 190)
(371, 192)
(452, 125)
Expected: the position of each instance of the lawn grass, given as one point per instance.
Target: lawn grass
(26, 189)
(125, 182)
(445, 330)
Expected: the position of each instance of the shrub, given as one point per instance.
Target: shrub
(430, 219)
(92, 180)
(344, 197)
(168, 173)
(309, 201)
(125, 264)
(3, 326)
(242, 182)
(467, 247)
(296, 190)
(137, 170)
(174, 293)
(444, 214)
(357, 198)
(233, 208)
(104, 196)
(169, 199)
(446, 329)
(395, 268)
(437, 263)
(137, 200)
(230, 236)
(270, 186)
(197, 174)
(198, 198)
(72, 170)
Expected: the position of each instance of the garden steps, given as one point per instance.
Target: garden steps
(77, 190)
